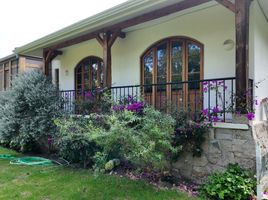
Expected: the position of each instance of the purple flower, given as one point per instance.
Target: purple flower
(220, 82)
(250, 116)
(215, 110)
(205, 83)
(118, 107)
(215, 118)
(205, 112)
(205, 89)
(225, 87)
(238, 113)
(88, 95)
(135, 107)
(256, 102)
(130, 99)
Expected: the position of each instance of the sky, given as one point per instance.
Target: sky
(24, 21)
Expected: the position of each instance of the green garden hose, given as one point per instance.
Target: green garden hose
(31, 161)
(7, 156)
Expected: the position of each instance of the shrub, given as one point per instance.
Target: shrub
(235, 183)
(74, 141)
(142, 139)
(189, 134)
(28, 111)
(93, 101)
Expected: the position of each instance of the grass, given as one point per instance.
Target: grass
(59, 183)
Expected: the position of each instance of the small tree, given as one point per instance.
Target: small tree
(27, 112)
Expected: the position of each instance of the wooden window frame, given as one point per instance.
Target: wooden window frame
(185, 41)
(87, 59)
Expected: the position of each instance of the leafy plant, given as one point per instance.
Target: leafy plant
(235, 183)
(144, 140)
(93, 101)
(27, 112)
(74, 140)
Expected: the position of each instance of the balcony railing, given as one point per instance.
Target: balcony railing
(209, 95)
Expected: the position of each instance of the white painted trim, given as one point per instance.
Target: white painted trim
(230, 126)
(124, 11)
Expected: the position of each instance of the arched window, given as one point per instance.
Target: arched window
(172, 60)
(89, 73)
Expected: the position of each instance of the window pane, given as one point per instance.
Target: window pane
(148, 71)
(95, 75)
(1, 80)
(89, 79)
(86, 75)
(162, 66)
(176, 61)
(6, 79)
(194, 52)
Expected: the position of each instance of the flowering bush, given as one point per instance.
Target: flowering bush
(215, 114)
(93, 101)
(189, 134)
(130, 104)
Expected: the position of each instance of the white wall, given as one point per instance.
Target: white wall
(70, 58)
(211, 26)
(259, 29)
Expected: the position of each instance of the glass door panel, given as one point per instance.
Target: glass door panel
(161, 78)
(194, 75)
(148, 77)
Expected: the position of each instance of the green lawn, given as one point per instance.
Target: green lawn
(58, 183)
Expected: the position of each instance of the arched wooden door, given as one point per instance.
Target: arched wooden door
(89, 74)
(177, 61)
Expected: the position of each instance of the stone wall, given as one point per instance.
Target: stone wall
(223, 145)
(260, 132)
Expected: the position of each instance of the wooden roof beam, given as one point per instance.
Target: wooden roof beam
(132, 22)
(228, 4)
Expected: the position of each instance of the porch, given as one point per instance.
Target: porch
(214, 98)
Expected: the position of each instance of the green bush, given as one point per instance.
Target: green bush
(144, 139)
(74, 140)
(28, 111)
(235, 183)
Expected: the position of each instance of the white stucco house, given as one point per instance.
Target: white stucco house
(206, 55)
(167, 51)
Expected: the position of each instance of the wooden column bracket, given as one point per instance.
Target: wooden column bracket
(107, 40)
(48, 56)
(228, 4)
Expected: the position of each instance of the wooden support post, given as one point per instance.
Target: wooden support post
(107, 60)
(242, 56)
(107, 40)
(48, 56)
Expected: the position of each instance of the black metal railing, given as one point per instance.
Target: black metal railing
(212, 96)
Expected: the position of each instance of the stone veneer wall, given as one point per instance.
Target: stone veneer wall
(222, 146)
(260, 132)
